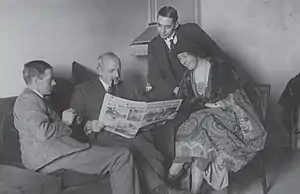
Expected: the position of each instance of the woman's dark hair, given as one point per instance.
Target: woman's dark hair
(191, 49)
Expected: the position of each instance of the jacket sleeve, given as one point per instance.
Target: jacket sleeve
(160, 87)
(37, 118)
(78, 104)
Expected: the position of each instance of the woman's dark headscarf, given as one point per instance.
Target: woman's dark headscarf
(223, 79)
(190, 48)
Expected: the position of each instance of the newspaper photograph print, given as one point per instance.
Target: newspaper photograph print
(126, 117)
(160, 111)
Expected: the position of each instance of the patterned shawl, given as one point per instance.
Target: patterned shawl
(221, 82)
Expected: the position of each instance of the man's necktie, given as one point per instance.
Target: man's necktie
(171, 44)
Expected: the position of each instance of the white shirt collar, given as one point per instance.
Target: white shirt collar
(38, 93)
(172, 37)
(105, 85)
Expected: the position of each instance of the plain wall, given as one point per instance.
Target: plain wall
(62, 31)
(263, 35)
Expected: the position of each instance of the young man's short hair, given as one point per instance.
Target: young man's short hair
(168, 11)
(33, 69)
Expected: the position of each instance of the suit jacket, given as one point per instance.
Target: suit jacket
(164, 75)
(87, 97)
(43, 137)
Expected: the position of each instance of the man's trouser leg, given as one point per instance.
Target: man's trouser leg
(148, 159)
(116, 161)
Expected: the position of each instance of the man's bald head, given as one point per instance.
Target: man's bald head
(103, 58)
(109, 67)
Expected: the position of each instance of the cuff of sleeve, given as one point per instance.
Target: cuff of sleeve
(86, 128)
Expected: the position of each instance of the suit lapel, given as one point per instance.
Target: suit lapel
(97, 84)
(162, 53)
(97, 90)
(162, 49)
(96, 96)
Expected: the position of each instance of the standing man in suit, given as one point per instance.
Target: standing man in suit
(46, 145)
(164, 68)
(87, 100)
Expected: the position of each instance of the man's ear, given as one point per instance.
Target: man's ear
(99, 70)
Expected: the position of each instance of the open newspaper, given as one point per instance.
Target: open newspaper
(126, 117)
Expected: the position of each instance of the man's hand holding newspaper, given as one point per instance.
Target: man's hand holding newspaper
(126, 117)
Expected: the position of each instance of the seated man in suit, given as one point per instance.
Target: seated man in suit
(45, 141)
(87, 101)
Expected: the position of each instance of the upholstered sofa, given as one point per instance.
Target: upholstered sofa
(15, 179)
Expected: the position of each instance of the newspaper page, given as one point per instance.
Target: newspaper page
(126, 117)
(159, 111)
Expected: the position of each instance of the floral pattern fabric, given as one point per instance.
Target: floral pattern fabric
(229, 134)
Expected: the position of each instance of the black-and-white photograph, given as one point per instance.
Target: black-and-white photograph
(149, 96)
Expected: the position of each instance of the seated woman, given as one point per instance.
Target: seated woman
(222, 132)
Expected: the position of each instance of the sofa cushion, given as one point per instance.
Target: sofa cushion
(14, 180)
(11, 146)
(6, 109)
